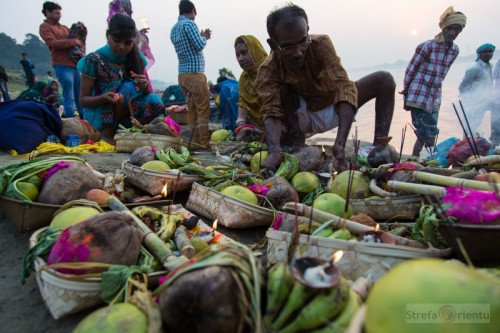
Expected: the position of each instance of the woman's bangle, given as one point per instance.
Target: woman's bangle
(241, 120)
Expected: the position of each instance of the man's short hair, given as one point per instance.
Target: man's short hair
(50, 6)
(185, 7)
(23, 54)
(284, 15)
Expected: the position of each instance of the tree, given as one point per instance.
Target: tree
(38, 52)
(11, 52)
(226, 72)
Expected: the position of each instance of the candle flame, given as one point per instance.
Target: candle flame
(377, 227)
(144, 22)
(450, 167)
(214, 225)
(323, 148)
(337, 255)
(164, 191)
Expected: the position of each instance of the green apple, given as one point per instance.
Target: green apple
(241, 193)
(360, 185)
(156, 165)
(305, 182)
(257, 160)
(333, 204)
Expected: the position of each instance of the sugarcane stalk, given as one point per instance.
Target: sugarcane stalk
(449, 181)
(338, 222)
(417, 188)
(150, 240)
(183, 244)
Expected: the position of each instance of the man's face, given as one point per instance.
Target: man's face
(53, 16)
(486, 55)
(244, 56)
(291, 42)
(451, 32)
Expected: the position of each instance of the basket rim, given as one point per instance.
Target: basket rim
(149, 136)
(413, 198)
(232, 200)
(361, 247)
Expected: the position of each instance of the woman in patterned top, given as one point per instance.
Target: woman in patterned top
(113, 77)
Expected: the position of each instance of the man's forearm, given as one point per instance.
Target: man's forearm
(345, 112)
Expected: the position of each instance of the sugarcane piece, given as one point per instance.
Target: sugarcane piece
(183, 244)
(150, 240)
(338, 222)
(449, 181)
(417, 188)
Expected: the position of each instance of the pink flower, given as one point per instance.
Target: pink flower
(258, 189)
(175, 128)
(277, 222)
(59, 165)
(472, 205)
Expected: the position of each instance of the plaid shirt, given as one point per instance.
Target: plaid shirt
(322, 81)
(189, 44)
(426, 72)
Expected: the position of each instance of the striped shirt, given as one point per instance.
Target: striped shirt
(426, 72)
(321, 82)
(189, 44)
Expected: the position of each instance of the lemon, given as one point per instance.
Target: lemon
(28, 189)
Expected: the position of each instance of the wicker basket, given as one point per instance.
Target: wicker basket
(128, 142)
(152, 182)
(65, 294)
(229, 212)
(360, 259)
(383, 209)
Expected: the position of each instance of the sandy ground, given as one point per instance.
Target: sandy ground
(22, 308)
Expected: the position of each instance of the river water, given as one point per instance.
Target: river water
(448, 123)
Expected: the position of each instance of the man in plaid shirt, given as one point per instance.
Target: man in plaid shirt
(424, 77)
(189, 43)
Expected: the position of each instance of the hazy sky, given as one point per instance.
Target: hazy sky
(364, 32)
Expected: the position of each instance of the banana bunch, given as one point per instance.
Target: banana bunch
(293, 307)
(289, 167)
(166, 223)
(173, 158)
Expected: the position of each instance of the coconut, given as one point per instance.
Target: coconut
(360, 185)
(280, 192)
(110, 237)
(70, 182)
(436, 289)
(309, 157)
(119, 317)
(72, 216)
(202, 301)
(383, 153)
(332, 203)
(142, 155)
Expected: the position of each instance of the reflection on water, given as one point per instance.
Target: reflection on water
(448, 123)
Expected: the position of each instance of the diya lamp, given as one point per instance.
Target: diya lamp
(316, 272)
(376, 236)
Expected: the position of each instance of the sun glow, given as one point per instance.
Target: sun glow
(414, 32)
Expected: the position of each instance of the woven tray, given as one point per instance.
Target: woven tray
(128, 142)
(63, 294)
(229, 212)
(383, 209)
(152, 182)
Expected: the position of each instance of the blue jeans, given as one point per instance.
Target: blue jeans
(70, 80)
(4, 91)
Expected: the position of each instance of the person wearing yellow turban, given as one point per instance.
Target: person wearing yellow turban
(424, 76)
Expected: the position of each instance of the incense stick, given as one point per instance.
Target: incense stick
(468, 126)
(403, 135)
(465, 132)
(420, 139)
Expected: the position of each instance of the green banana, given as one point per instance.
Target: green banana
(322, 309)
(279, 284)
(339, 324)
(299, 296)
(283, 169)
(288, 167)
(162, 156)
(185, 153)
(295, 165)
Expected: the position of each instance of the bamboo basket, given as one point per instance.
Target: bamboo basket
(65, 294)
(360, 259)
(389, 208)
(128, 142)
(229, 212)
(152, 182)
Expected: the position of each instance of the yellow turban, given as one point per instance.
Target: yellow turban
(449, 17)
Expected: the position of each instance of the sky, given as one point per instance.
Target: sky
(364, 32)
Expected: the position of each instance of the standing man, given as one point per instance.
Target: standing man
(425, 74)
(189, 43)
(29, 70)
(476, 88)
(4, 91)
(55, 35)
(303, 89)
(495, 112)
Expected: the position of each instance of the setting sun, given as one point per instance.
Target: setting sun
(414, 32)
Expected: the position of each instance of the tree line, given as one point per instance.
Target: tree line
(36, 49)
